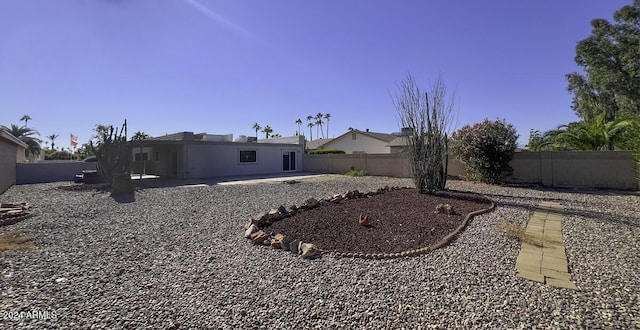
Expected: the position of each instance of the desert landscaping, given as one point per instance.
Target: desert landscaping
(177, 258)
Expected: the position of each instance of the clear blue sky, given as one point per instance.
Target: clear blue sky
(219, 66)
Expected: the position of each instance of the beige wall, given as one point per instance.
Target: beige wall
(361, 143)
(8, 158)
(50, 171)
(596, 169)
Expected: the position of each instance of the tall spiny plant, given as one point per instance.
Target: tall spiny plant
(114, 158)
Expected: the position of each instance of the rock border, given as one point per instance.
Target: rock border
(254, 228)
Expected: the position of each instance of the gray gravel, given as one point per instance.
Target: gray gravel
(176, 258)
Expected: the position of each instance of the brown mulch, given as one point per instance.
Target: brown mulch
(400, 220)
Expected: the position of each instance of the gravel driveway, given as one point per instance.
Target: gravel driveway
(176, 258)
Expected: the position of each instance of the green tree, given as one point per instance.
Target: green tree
(26, 135)
(53, 138)
(267, 130)
(25, 118)
(299, 123)
(256, 127)
(310, 125)
(609, 58)
(596, 134)
(541, 141)
(327, 116)
(319, 117)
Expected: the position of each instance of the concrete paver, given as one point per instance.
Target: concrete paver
(546, 264)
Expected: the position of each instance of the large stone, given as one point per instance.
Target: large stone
(311, 203)
(285, 243)
(276, 241)
(308, 250)
(259, 237)
(250, 230)
(294, 246)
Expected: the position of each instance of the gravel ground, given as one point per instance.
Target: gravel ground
(176, 258)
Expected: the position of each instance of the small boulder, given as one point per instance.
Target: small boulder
(259, 237)
(311, 203)
(276, 241)
(294, 246)
(250, 230)
(308, 250)
(285, 243)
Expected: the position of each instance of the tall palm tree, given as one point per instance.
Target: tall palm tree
(299, 123)
(267, 130)
(25, 118)
(256, 127)
(53, 138)
(327, 116)
(319, 117)
(597, 134)
(26, 135)
(310, 125)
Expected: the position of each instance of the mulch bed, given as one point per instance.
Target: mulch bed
(400, 220)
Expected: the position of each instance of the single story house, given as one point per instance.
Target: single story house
(361, 142)
(186, 155)
(316, 144)
(12, 151)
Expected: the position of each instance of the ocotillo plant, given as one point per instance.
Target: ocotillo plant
(114, 159)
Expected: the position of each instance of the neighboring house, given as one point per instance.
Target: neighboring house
(397, 144)
(317, 144)
(12, 151)
(361, 142)
(187, 155)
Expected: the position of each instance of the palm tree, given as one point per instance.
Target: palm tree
(53, 138)
(257, 128)
(327, 116)
(26, 135)
(25, 118)
(299, 122)
(319, 117)
(140, 136)
(597, 134)
(542, 141)
(267, 130)
(310, 125)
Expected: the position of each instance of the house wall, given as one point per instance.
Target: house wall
(595, 169)
(361, 143)
(50, 171)
(8, 159)
(218, 160)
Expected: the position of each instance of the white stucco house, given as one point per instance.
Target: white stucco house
(12, 151)
(186, 155)
(360, 142)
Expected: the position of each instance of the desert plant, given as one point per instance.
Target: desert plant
(486, 148)
(425, 118)
(356, 172)
(114, 159)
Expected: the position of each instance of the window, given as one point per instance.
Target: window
(354, 136)
(145, 156)
(248, 156)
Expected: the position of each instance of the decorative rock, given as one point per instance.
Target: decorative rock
(311, 203)
(294, 246)
(259, 237)
(283, 211)
(363, 220)
(285, 243)
(250, 230)
(445, 209)
(276, 241)
(308, 250)
(336, 199)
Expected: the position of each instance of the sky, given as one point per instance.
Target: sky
(214, 66)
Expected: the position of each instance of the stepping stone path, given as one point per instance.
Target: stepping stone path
(546, 264)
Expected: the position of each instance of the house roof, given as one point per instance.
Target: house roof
(8, 136)
(380, 136)
(398, 141)
(317, 144)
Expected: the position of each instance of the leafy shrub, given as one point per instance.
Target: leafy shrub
(58, 155)
(356, 172)
(486, 148)
(326, 151)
